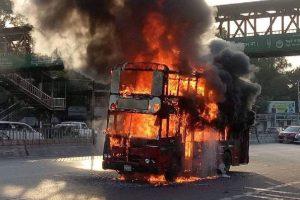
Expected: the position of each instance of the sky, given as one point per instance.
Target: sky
(294, 60)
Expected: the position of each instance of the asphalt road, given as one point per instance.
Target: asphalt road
(274, 173)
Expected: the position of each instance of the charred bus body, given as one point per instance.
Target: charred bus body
(148, 130)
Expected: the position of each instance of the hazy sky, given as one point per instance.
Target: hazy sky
(294, 60)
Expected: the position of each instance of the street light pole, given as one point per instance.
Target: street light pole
(298, 95)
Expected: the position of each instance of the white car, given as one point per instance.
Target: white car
(18, 131)
(80, 127)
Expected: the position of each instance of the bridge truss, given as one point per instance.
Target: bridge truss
(242, 20)
(14, 35)
(267, 28)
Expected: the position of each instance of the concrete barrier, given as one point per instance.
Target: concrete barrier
(49, 150)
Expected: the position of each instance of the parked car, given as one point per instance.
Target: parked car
(290, 134)
(65, 130)
(3, 136)
(274, 130)
(79, 129)
(18, 131)
(81, 125)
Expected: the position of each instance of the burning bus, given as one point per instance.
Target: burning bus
(151, 128)
(174, 118)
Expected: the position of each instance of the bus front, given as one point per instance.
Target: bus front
(134, 141)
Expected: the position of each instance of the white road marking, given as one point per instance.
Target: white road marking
(275, 191)
(261, 193)
(283, 197)
(262, 197)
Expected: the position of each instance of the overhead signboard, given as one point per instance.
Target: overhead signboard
(270, 45)
(281, 107)
(10, 62)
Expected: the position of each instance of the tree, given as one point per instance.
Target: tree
(7, 17)
(274, 81)
(222, 34)
(293, 78)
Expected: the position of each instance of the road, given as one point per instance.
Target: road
(274, 173)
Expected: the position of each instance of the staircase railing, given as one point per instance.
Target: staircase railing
(17, 114)
(36, 93)
(5, 113)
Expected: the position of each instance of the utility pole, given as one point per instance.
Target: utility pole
(298, 95)
(93, 104)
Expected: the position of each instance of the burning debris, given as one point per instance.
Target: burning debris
(173, 118)
(159, 180)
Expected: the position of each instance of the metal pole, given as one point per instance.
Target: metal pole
(65, 95)
(298, 95)
(93, 104)
(65, 89)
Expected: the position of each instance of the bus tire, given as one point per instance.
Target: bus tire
(173, 171)
(227, 161)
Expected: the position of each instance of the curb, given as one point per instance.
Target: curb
(49, 150)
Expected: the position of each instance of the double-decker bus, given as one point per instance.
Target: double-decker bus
(147, 129)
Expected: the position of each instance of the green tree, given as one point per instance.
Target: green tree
(274, 81)
(293, 78)
(222, 34)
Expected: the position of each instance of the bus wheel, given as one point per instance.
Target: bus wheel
(173, 171)
(227, 161)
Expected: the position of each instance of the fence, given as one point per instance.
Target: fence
(46, 136)
(55, 136)
(263, 137)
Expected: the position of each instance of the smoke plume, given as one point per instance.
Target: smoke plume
(93, 35)
(236, 72)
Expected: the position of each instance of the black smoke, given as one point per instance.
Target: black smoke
(236, 72)
(229, 74)
(115, 29)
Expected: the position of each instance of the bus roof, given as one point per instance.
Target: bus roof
(150, 66)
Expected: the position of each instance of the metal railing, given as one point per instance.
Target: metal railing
(262, 137)
(34, 92)
(268, 117)
(5, 113)
(18, 114)
(45, 136)
(276, 32)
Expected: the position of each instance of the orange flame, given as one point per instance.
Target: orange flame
(136, 82)
(162, 49)
(160, 179)
(154, 30)
(140, 125)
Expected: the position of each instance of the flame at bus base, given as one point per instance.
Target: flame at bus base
(161, 180)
